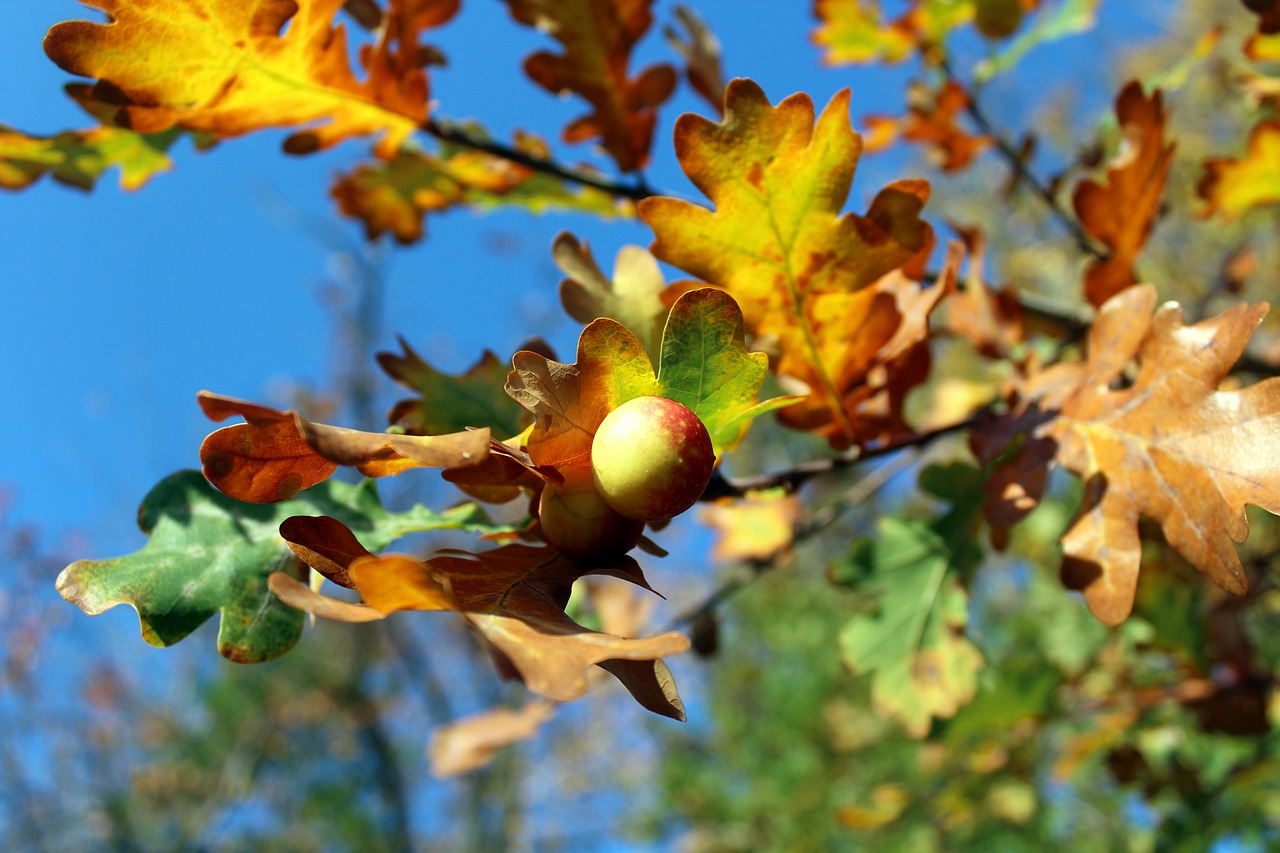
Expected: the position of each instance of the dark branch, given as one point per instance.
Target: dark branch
(447, 131)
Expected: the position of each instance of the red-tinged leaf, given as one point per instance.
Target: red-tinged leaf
(514, 597)
(993, 321)
(1233, 187)
(597, 37)
(569, 401)
(776, 241)
(472, 742)
(933, 121)
(263, 460)
(453, 403)
(1170, 446)
(325, 544)
(275, 454)
(1122, 213)
(701, 54)
(227, 69)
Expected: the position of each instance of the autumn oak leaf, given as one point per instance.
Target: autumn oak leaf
(275, 454)
(598, 37)
(1232, 187)
(225, 68)
(1122, 212)
(1170, 445)
(776, 241)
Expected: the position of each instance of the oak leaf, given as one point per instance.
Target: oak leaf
(701, 54)
(394, 196)
(776, 241)
(275, 454)
(472, 742)
(452, 403)
(758, 527)
(226, 68)
(1121, 213)
(632, 296)
(208, 554)
(704, 365)
(912, 641)
(598, 37)
(514, 599)
(932, 120)
(1170, 445)
(78, 158)
(1233, 187)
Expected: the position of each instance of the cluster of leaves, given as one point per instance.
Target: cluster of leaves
(846, 312)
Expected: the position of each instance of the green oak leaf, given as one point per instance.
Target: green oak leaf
(912, 639)
(209, 554)
(705, 365)
(449, 403)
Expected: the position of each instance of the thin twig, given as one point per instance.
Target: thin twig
(448, 131)
(1016, 162)
(791, 479)
(817, 521)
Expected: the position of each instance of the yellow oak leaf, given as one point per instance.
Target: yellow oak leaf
(777, 242)
(224, 67)
(1232, 187)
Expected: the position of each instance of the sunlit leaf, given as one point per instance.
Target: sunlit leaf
(632, 296)
(395, 196)
(1170, 446)
(700, 51)
(776, 241)
(933, 121)
(597, 37)
(79, 158)
(1057, 21)
(209, 554)
(226, 68)
(1122, 213)
(1232, 187)
(275, 454)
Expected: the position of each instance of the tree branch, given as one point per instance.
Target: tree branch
(449, 131)
(791, 479)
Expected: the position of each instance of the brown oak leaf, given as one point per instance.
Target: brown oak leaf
(1122, 212)
(1168, 445)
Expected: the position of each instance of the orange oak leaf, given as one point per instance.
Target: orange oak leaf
(597, 37)
(226, 68)
(1122, 212)
(275, 454)
(932, 120)
(569, 401)
(1170, 446)
(513, 598)
(1232, 187)
(777, 243)
(993, 321)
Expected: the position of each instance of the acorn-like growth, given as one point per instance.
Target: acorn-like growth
(578, 523)
(651, 458)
